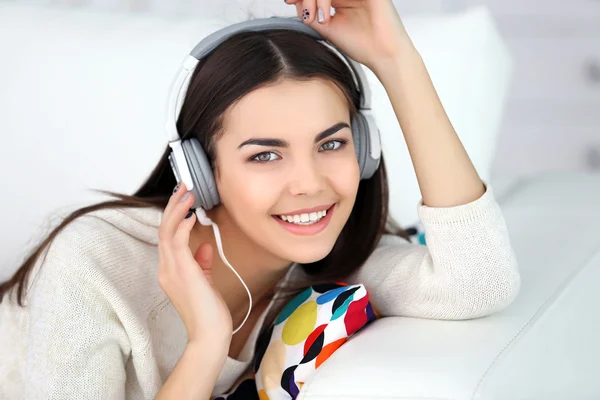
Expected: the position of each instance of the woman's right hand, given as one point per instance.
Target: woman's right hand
(187, 279)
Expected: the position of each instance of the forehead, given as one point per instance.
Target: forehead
(287, 107)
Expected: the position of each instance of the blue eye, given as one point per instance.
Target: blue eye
(333, 145)
(269, 156)
(261, 157)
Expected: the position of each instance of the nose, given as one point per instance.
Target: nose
(307, 178)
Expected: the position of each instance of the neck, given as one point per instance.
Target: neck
(259, 269)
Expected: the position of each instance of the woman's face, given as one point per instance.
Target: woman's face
(287, 150)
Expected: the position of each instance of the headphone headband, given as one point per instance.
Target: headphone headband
(212, 41)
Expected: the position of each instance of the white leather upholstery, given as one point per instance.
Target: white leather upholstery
(544, 346)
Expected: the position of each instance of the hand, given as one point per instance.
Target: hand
(186, 279)
(368, 31)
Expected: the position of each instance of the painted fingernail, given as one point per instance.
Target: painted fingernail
(177, 188)
(185, 196)
(305, 14)
(189, 214)
(321, 16)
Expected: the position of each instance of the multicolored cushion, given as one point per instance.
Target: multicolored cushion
(307, 331)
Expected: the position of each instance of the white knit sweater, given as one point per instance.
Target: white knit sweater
(98, 326)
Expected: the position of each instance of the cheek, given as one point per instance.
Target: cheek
(344, 175)
(243, 189)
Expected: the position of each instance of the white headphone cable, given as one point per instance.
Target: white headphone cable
(204, 220)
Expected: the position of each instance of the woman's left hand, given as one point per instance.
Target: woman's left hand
(368, 31)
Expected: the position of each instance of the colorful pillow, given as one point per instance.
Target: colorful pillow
(416, 234)
(307, 331)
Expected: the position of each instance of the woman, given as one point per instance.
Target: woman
(129, 300)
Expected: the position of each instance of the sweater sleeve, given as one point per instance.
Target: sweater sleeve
(468, 268)
(77, 346)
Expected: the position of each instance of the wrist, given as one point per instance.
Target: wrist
(209, 350)
(215, 337)
(407, 55)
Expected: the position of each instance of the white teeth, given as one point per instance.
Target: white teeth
(304, 219)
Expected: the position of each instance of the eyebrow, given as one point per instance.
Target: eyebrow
(282, 143)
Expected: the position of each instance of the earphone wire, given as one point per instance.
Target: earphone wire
(204, 220)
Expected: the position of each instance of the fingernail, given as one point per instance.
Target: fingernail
(305, 14)
(321, 17)
(177, 188)
(189, 214)
(185, 196)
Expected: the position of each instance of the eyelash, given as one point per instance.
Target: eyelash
(254, 158)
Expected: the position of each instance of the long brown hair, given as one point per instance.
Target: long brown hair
(240, 65)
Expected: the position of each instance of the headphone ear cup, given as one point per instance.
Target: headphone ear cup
(362, 125)
(205, 189)
(361, 139)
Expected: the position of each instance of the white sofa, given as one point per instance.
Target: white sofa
(78, 88)
(544, 346)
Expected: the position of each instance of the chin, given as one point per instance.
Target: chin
(310, 254)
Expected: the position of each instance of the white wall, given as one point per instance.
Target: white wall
(552, 121)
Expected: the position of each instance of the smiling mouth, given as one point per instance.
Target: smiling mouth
(313, 226)
(305, 218)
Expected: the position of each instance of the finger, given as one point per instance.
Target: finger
(323, 11)
(309, 9)
(298, 5)
(347, 3)
(176, 209)
(181, 238)
(179, 191)
(205, 257)
(180, 252)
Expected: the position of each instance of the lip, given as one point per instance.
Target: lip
(307, 230)
(309, 210)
